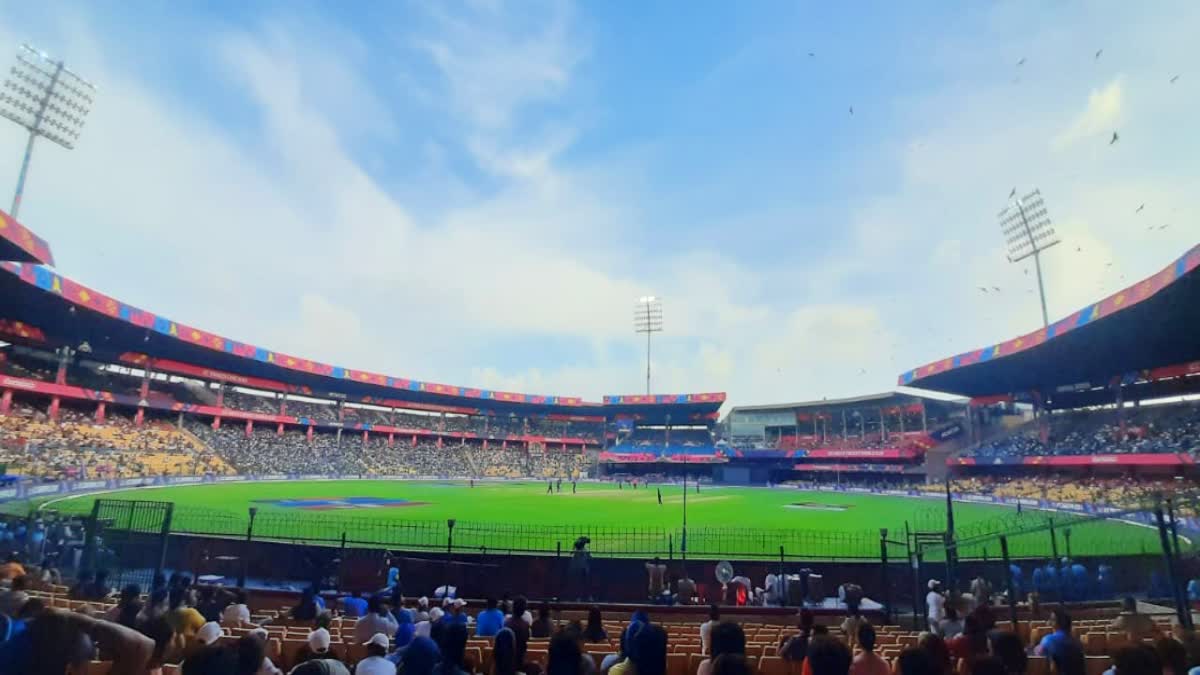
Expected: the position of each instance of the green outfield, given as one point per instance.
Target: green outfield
(522, 517)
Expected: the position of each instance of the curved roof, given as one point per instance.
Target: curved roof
(18, 242)
(1149, 324)
(47, 301)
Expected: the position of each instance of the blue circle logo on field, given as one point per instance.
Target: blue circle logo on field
(340, 503)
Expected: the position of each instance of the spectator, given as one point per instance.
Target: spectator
(714, 617)
(212, 660)
(939, 654)
(564, 657)
(731, 664)
(828, 656)
(1068, 659)
(129, 605)
(868, 662)
(184, 619)
(490, 620)
(851, 623)
(316, 646)
(405, 629)
(1137, 659)
(453, 647)
(163, 635)
(656, 572)
(915, 661)
(12, 568)
(377, 620)
(935, 605)
(972, 643)
(1008, 648)
(252, 654)
(520, 629)
(354, 606)
(236, 613)
(727, 638)
(209, 633)
(1060, 637)
(795, 648)
(647, 653)
(376, 661)
(625, 643)
(950, 626)
(543, 625)
(420, 658)
(504, 661)
(82, 583)
(1135, 625)
(594, 632)
(64, 642)
(320, 667)
(12, 600)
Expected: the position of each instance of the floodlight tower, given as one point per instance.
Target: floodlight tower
(48, 100)
(648, 319)
(1025, 224)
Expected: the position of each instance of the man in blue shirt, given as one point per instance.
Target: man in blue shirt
(490, 620)
(354, 605)
(1060, 640)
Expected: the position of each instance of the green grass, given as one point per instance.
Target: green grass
(722, 521)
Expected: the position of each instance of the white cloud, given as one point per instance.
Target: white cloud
(1099, 119)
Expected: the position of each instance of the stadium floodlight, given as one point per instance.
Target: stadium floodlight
(47, 100)
(1027, 232)
(648, 319)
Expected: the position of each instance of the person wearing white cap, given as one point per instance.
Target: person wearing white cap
(376, 662)
(935, 604)
(422, 609)
(208, 633)
(316, 647)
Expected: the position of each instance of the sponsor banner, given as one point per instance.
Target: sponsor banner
(8, 493)
(211, 374)
(178, 480)
(273, 476)
(134, 482)
(228, 479)
(863, 453)
(865, 468)
(90, 485)
(36, 490)
(947, 432)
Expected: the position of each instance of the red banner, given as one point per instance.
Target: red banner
(870, 468)
(199, 372)
(1134, 459)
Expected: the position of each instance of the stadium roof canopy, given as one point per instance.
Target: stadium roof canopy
(885, 399)
(40, 306)
(20, 244)
(1150, 324)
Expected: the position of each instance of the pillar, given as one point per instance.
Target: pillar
(439, 441)
(341, 407)
(249, 428)
(140, 417)
(309, 433)
(100, 412)
(282, 407)
(220, 398)
(217, 422)
(144, 389)
(503, 445)
(485, 442)
(279, 429)
(64, 355)
(391, 440)
(924, 421)
(6, 402)
(365, 436)
(53, 412)
(414, 440)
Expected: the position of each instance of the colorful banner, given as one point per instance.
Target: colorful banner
(663, 399)
(862, 453)
(202, 373)
(1112, 304)
(79, 295)
(1132, 459)
(21, 331)
(23, 238)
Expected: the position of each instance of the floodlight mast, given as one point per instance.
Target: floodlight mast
(648, 319)
(1027, 232)
(48, 100)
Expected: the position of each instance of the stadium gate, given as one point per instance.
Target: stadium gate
(138, 530)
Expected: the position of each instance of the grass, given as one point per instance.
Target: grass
(722, 521)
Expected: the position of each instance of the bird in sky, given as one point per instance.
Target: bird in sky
(981, 288)
(1098, 53)
(1174, 78)
(1139, 209)
(1115, 137)
(1163, 227)
(1021, 62)
(1079, 249)
(811, 54)
(996, 288)
(1013, 193)
(851, 110)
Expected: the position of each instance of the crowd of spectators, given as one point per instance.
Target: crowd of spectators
(1126, 490)
(1157, 429)
(78, 447)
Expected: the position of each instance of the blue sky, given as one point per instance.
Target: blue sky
(475, 193)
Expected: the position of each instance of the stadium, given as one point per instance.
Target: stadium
(152, 469)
